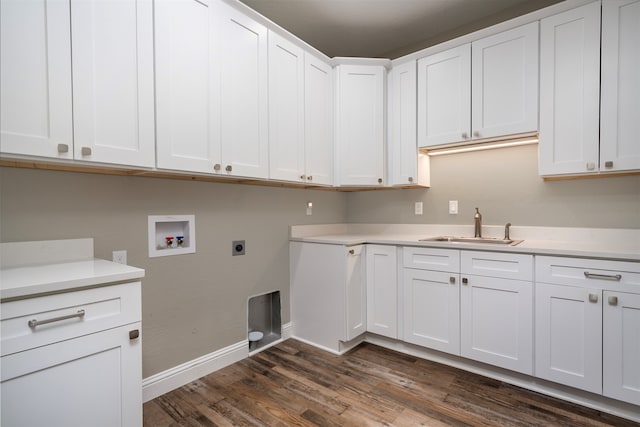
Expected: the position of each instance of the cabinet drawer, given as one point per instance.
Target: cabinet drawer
(104, 308)
(592, 273)
(496, 264)
(432, 259)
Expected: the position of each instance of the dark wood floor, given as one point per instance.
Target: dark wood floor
(296, 384)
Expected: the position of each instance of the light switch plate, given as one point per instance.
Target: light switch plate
(453, 207)
(418, 208)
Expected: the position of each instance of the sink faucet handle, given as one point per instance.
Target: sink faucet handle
(506, 231)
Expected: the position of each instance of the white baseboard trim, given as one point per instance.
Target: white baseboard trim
(165, 381)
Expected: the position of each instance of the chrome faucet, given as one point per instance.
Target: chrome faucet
(478, 224)
(506, 231)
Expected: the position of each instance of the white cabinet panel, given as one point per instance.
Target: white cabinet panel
(496, 322)
(356, 293)
(100, 374)
(406, 165)
(431, 309)
(243, 93)
(444, 97)
(35, 78)
(568, 340)
(382, 290)
(621, 346)
(620, 91)
(286, 110)
(318, 121)
(360, 124)
(113, 99)
(185, 90)
(569, 91)
(505, 83)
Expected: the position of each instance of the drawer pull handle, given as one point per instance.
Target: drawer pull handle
(613, 300)
(616, 277)
(465, 281)
(134, 334)
(593, 297)
(452, 280)
(34, 322)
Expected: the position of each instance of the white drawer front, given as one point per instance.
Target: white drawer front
(432, 259)
(497, 264)
(592, 273)
(104, 308)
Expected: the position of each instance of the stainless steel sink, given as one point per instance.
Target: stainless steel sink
(479, 240)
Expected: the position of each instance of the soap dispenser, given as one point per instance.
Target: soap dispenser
(477, 218)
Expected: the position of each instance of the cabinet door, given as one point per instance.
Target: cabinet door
(621, 346)
(569, 91)
(431, 309)
(496, 322)
(568, 340)
(35, 78)
(243, 83)
(286, 110)
(96, 377)
(406, 165)
(505, 83)
(112, 61)
(184, 41)
(382, 290)
(360, 124)
(355, 293)
(620, 92)
(318, 120)
(444, 97)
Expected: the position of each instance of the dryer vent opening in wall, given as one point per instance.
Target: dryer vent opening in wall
(265, 320)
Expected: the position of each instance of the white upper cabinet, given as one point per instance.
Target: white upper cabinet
(504, 83)
(486, 89)
(620, 92)
(406, 165)
(111, 90)
(318, 120)
(185, 91)
(35, 76)
(444, 97)
(569, 91)
(286, 110)
(242, 80)
(113, 99)
(360, 124)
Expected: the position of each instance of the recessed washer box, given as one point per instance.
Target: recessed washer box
(171, 235)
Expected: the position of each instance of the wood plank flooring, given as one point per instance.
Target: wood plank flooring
(296, 384)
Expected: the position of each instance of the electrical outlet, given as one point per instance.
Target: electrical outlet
(418, 208)
(120, 257)
(453, 207)
(309, 208)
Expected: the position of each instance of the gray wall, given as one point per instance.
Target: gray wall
(191, 304)
(196, 304)
(505, 185)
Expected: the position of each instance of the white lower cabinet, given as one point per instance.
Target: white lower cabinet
(328, 293)
(587, 325)
(431, 298)
(80, 364)
(496, 309)
(382, 290)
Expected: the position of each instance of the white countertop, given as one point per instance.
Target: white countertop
(41, 267)
(27, 281)
(614, 244)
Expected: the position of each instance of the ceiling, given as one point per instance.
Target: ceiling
(387, 28)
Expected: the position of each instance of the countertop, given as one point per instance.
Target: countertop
(614, 244)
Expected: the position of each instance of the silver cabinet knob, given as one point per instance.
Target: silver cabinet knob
(351, 252)
(63, 148)
(310, 178)
(216, 167)
(410, 179)
(85, 151)
(452, 280)
(465, 281)
(379, 180)
(476, 133)
(228, 168)
(465, 135)
(593, 297)
(302, 177)
(134, 334)
(591, 166)
(613, 300)
(608, 164)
